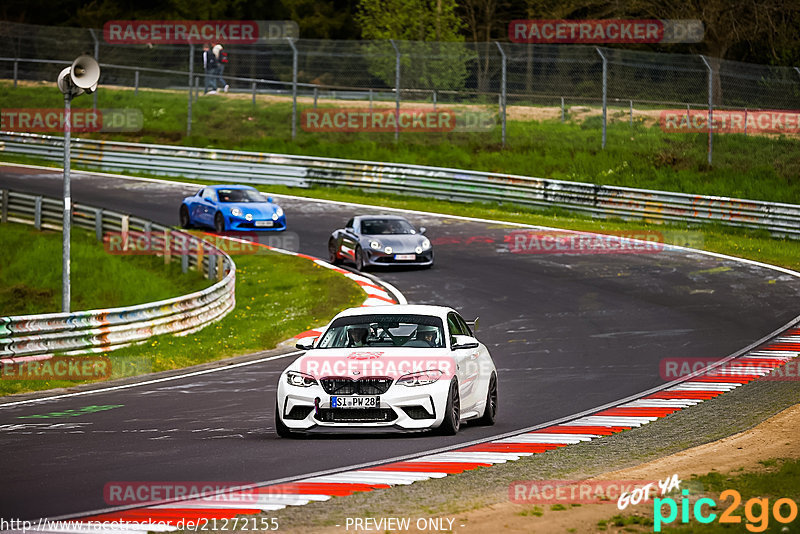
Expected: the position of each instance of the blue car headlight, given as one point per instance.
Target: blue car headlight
(279, 212)
(236, 212)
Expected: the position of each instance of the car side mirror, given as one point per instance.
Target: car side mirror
(464, 342)
(473, 324)
(269, 199)
(306, 343)
(422, 230)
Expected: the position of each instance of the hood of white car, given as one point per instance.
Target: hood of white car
(355, 363)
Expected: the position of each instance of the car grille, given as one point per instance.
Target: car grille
(362, 386)
(355, 415)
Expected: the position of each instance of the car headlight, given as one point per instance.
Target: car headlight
(418, 250)
(279, 212)
(249, 217)
(388, 250)
(375, 245)
(420, 378)
(426, 244)
(296, 378)
(236, 212)
(274, 216)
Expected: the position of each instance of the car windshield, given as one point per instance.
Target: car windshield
(386, 226)
(419, 331)
(240, 195)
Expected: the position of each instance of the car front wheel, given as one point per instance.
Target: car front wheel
(359, 259)
(219, 223)
(186, 221)
(281, 429)
(333, 255)
(490, 412)
(452, 413)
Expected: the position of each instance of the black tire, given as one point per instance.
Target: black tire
(219, 223)
(281, 429)
(186, 221)
(359, 259)
(490, 412)
(333, 255)
(452, 413)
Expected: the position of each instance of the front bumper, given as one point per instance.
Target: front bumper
(376, 258)
(243, 225)
(402, 408)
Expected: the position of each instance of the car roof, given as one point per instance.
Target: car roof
(395, 309)
(395, 217)
(231, 186)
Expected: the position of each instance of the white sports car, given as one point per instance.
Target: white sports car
(385, 368)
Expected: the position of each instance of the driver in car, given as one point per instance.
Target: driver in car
(427, 334)
(357, 336)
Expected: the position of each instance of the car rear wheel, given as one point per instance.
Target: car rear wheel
(186, 221)
(219, 223)
(452, 413)
(359, 259)
(281, 429)
(333, 255)
(490, 412)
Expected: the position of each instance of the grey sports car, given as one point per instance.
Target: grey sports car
(370, 240)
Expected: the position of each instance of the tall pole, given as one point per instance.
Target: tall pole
(605, 94)
(396, 90)
(191, 76)
(503, 91)
(710, 108)
(96, 58)
(65, 248)
(294, 87)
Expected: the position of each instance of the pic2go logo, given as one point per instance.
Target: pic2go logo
(756, 511)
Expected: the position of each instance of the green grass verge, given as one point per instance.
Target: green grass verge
(30, 274)
(277, 296)
(637, 156)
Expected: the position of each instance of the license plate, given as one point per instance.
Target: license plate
(405, 256)
(355, 402)
(263, 223)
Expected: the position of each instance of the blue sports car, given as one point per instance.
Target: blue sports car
(231, 207)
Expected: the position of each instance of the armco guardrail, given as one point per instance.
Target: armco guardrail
(436, 182)
(36, 337)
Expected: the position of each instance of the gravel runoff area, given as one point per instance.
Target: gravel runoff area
(454, 496)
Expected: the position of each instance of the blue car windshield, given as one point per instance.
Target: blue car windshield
(386, 226)
(240, 195)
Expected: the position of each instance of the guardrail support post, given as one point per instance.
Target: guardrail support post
(370, 100)
(37, 213)
(631, 120)
(4, 206)
(434, 100)
(605, 94)
(396, 90)
(710, 123)
(745, 122)
(254, 94)
(98, 224)
(191, 77)
(200, 255)
(294, 87)
(136, 83)
(167, 247)
(220, 267)
(503, 92)
(125, 222)
(212, 268)
(316, 95)
(563, 115)
(16, 63)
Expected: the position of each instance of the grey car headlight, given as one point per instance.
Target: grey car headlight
(426, 244)
(376, 245)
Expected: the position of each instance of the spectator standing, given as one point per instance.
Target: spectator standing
(210, 67)
(221, 59)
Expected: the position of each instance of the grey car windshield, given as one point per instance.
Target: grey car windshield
(386, 226)
(240, 195)
(414, 331)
